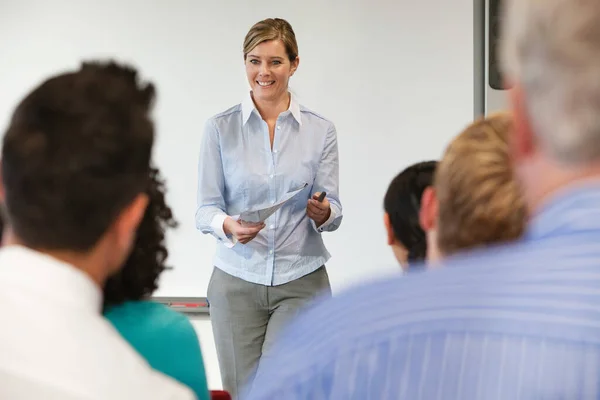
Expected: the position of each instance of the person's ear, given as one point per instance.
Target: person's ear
(522, 139)
(391, 238)
(126, 224)
(294, 66)
(429, 210)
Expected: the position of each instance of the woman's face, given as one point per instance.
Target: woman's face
(269, 69)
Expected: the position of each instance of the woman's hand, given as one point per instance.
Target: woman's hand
(242, 231)
(318, 211)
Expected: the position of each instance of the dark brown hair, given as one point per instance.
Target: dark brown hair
(76, 152)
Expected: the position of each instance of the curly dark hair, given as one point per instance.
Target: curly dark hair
(138, 277)
(403, 202)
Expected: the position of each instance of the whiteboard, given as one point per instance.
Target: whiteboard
(396, 77)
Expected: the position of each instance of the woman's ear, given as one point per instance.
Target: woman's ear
(294, 66)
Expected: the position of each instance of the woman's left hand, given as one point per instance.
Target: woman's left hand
(318, 211)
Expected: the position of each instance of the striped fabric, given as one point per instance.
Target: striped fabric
(514, 322)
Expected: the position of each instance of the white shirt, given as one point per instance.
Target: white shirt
(54, 342)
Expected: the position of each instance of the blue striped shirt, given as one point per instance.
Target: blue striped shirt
(239, 171)
(520, 321)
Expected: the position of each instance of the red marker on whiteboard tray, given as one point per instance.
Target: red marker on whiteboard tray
(188, 305)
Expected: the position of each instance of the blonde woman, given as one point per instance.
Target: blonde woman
(252, 154)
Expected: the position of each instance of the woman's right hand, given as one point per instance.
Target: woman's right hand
(242, 231)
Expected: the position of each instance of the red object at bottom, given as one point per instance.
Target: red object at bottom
(219, 395)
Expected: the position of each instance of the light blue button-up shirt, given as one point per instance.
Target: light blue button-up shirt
(516, 322)
(239, 171)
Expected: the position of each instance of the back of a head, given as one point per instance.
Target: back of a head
(76, 152)
(480, 202)
(551, 49)
(402, 203)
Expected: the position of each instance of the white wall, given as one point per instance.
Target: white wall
(209, 352)
(396, 77)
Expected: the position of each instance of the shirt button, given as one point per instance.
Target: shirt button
(271, 176)
(270, 251)
(272, 227)
(278, 127)
(274, 150)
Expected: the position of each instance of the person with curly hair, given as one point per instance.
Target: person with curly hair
(402, 204)
(165, 338)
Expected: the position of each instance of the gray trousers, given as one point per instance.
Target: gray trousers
(247, 317)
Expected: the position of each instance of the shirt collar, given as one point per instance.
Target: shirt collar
(51, 277)
(248, 108)
(575, 208)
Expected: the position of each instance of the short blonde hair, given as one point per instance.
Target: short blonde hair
(272, 29)
(480, 202)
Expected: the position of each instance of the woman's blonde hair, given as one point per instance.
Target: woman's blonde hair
(480, 202)
(272, 29)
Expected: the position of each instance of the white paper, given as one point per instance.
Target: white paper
(260, 215)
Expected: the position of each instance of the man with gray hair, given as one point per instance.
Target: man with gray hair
(521, 321)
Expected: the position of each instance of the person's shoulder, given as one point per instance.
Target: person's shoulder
(129, 309)
(223, 119)
(381, 309)
(359, 318)
(150, 313)
(227, 113)
(173, 324)
(147, 324)
(314, 116)
(307, 111)
(127, 366)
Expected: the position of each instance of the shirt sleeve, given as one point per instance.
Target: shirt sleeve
(210, 210)
(327, 179)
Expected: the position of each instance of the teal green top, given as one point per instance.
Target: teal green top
(165, 338)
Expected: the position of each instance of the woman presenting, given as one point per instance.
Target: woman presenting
(252, 155)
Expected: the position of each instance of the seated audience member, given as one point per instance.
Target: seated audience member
(475, 200)
(75, 166)
(516, 321)
(402, 204)
(165, 338)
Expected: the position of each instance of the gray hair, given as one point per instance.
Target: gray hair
(551, 48)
